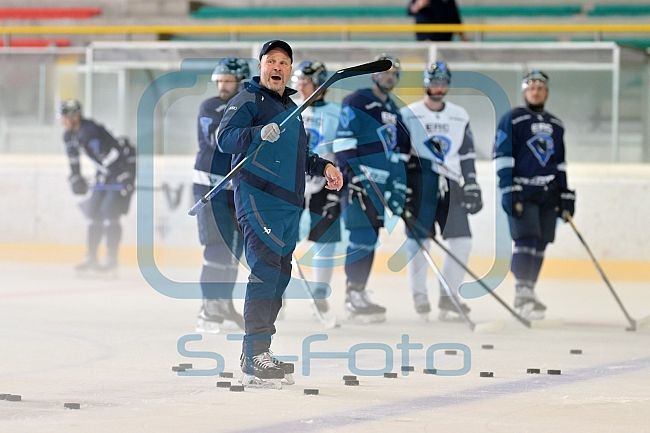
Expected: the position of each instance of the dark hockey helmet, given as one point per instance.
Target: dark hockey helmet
(314, 70)
(437, 71)
(69, 108)
(396, 63)
(232, 65)
(534, 76)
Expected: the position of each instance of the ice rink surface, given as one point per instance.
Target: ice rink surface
(109, 345)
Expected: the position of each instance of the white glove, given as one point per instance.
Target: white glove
(271, 132)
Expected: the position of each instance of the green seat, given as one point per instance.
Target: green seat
(619, 9)
(294, 12)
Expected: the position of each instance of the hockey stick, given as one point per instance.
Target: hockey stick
(487, 327)
(527, 323)
(354, 71)
(327, 323)
(602, 274)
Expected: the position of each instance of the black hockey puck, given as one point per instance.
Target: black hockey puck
(71, 406)
(185, 366)
(177, 368)
(349, 377)
(555, 372)
(226, 375)
(429, 371)
(308, 391)
(351, 383)
(487, 346)
(237, 388)
(450, 352)
(408, 368)
(12, 397)
(4, 396)
(575, 351)
(390, 375)
(533, 370)
(486, 374)
(223, 384)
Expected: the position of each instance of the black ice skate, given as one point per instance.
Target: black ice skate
(359, 308)
(527, 305)
(260, 371)
(448, 311)
(287, 367)
(208, 323)
(422, 306)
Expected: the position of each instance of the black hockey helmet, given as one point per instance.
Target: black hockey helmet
(396, 63)
(69, 108)
(436, 71)
(533, 76)
(314, 70)
(232, 65)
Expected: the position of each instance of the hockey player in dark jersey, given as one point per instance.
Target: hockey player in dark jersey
(218, 230)
(529, 159)
(114, 160)
(372, 148)
(323, 205)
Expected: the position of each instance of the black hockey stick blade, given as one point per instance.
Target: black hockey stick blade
(629, 318)
(353, 71)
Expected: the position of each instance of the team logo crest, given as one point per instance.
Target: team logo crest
(388, 136)
(543, 147)
(346, 116)
(439, 145)
(315, 138)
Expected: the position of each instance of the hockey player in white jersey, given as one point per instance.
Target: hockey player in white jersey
(441, 133)
(321, 121)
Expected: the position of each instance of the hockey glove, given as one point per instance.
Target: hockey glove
(271, 132)
(396, 196)
(513, 200)
(567, 204)
(472, 198)
(78, 184)
(356, 189)
(126, 181)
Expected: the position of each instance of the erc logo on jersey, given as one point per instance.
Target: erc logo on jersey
(439, 145)
(388, 136)
(543, 147)
(315, 138)
(347, 115)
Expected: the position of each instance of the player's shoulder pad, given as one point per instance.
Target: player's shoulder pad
(456, 110)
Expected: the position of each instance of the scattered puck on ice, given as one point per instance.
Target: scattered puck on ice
(3, 396)
(223, 384)
(533, 371)
(12, 397)
(310, 391)
(450, 352)
(576, 352)
(486, 374)
(351, 383)
(556, 372)
(408, 368)
(429, 371)
(390, 375)
(237, 388)
(226, 375)
(185, 366)
(349, 377)
(177, 368)
(71, 405)
(487, 346)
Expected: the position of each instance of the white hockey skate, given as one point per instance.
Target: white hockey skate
(527, 305)
(422, 306)
(448, 312)
(252, 381)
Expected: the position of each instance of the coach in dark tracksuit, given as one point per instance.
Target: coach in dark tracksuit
(269, 191)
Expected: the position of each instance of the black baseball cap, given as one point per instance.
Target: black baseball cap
(277, 44)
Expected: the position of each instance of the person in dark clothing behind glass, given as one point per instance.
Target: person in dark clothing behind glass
(435, 12)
